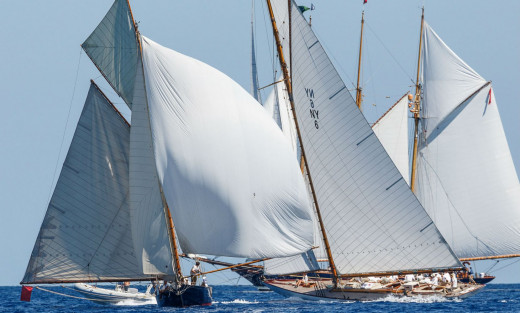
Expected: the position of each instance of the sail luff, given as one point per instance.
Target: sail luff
(288, 83)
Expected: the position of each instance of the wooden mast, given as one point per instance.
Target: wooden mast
(505, 256)
(416, 108)
(173, 241)
(358, 88)
(288, 85)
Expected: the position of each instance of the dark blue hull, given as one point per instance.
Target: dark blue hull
(185, 296)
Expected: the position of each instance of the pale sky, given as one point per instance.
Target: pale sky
(44, 77)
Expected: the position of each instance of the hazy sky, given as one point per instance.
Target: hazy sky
(44, 76)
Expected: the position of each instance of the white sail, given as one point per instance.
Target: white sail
(392, 130)
(301, 263)
(279, 106)
(151, 238)
(373, 220)
(228, 175)
(85, 233)
(466, 177)
(112, 47)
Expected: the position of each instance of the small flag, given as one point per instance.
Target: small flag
(489, 96)
(365, 1)
(303, 8)
(312, 7)
(26, 293)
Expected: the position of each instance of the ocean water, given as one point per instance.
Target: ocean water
(494, 298)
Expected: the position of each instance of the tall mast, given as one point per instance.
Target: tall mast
(358, 88)
(288, 85)
(416, 108)
(173, 241)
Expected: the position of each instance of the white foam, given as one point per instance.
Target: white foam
(416, 299)
(131, 302)
(238, 301)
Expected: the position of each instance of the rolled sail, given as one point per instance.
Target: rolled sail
(227, 172)
(373, 220)
(85, 233)
(466, 178)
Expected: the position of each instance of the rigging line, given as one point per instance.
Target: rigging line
(390, 53)
(66, 125)
(61, 144)
(453, 205)
(336, 63)
(507, 265)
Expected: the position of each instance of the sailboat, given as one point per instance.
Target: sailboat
(200, 151)
(370, 221)
(461, 163)
(462, 166)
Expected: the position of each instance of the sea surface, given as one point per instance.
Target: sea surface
(494, 298)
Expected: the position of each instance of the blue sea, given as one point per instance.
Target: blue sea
(494, 298)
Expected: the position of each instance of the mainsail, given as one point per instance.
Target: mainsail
(373, 220)
(85, 233)
(392, 131)
(466, 177)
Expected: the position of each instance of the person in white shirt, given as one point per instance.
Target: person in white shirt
(195, 270)
(435, 282)
(453, 280)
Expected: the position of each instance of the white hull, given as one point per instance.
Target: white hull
(108, 296)
(322, 292)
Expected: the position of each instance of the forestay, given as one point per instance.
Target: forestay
(227, 173)
(85, 235)
(466, 177)
(392, 130)
(112, 47)
(373, 220)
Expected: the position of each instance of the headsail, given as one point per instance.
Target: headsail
(466, 177)
(392, 130)
(225, 167)
(84, 235)
(112, 47)
(373, 220)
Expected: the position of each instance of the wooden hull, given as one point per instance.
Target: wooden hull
(185, 296)
(324, 291)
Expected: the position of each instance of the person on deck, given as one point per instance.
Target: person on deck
(195, 270)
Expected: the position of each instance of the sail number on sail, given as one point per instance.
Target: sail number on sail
(314, 113)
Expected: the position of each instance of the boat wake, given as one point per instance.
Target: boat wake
(131, 302)
(416, 299)
(238, 301)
